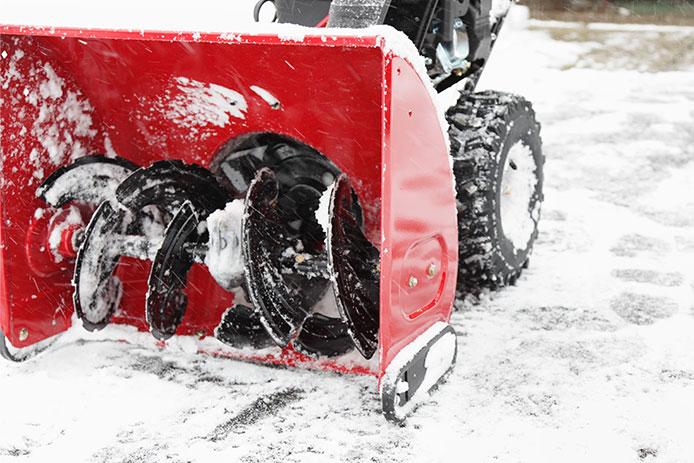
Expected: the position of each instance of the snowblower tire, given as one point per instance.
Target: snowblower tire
(484, 128)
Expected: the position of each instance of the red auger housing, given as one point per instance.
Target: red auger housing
(286, 195)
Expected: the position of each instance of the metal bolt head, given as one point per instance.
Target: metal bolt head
(412, 282)
(23, 334)
(299, 258)
(432, 270)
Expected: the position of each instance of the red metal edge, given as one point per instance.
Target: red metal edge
(323, 22)
(418, 202)
(4, 295)
(313, 36)
(289, 357)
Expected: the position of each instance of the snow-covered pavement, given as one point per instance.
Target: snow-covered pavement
(589, 358)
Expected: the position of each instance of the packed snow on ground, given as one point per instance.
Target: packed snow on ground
(589, 358)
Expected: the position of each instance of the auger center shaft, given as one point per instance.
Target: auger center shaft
(135, 246)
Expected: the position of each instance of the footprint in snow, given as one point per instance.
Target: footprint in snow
(643, 309)
(632, 244)
(647, 453)
(677, 376)
(670, 279)
(14, 452)
(684, 243)
(562, 318)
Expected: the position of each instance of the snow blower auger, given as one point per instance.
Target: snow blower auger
(283, 196)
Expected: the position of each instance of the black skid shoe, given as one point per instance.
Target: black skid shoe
(416, 370)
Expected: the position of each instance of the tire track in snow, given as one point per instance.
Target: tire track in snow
(260, 408)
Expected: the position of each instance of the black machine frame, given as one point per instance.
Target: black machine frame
(434, 26)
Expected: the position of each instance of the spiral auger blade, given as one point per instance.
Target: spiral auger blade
(182, 196)
(241, 327)
(168, 184)
(91, 179)
(287, 261)
(323, 335)
(278, 293)
(166, 299)
(187, 194)
(280, 304)
(97, 291)
(353, 263)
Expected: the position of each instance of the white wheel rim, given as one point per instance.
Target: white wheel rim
(518, 185)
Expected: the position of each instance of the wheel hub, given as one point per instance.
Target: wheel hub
(518, 184)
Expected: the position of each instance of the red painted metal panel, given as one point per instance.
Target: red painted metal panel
(34, 120)
(418, 209)
(345, 96)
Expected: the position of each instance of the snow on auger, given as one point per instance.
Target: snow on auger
(286, 191)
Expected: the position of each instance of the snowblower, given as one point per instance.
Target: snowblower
(288, 195)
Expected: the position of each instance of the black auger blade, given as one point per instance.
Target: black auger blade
(353, 263)
(280, 303)
(285, 299)
(168, 184)
(91, 179)
(323, 335)
(188, 194)
(97, 291)
(241, 327)
(166, 298)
